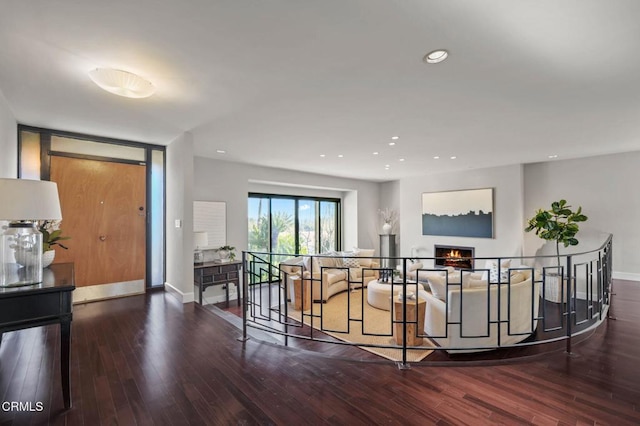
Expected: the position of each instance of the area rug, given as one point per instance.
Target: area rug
(331, 318)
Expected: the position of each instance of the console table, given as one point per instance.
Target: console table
(208, 274)
(42, 304)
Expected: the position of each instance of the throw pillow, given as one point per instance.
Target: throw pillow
(468, 276)
(366, 255)
(423, 276)
(311, 264)
(415, 266)
(438, 285)
(329, 260)
(350, 262)
(493, 274)
(453, 277)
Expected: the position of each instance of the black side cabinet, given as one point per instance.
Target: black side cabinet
(208, 274)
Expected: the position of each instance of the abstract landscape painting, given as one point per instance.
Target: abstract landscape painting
(465, 213)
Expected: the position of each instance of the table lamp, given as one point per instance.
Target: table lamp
(23, 203)
(200, 240)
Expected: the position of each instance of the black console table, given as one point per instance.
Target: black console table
(42, 304)
(208, 274)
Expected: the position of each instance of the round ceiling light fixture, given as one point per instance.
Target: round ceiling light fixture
(436, 56)
(122, 83)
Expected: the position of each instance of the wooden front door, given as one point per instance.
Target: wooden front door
(104, 213)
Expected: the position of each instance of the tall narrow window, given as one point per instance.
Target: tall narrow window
(157, 266)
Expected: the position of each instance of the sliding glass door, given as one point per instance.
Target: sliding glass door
(292, 225)
(328, 226)
(307, 227)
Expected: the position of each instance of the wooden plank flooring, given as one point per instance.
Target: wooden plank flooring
(150, 360)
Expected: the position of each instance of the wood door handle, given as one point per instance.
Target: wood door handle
(102, 237)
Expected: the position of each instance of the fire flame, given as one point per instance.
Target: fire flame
(453, 253)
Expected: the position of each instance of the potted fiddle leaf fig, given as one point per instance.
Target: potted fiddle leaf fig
(559, 224)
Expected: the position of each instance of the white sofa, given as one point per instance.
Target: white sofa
(328, 271)
(471, 310)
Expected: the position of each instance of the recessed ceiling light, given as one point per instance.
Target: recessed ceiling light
(122, 83)
(322, 155)
(436, 56)
(340, 155)
(376, 153)
(453, 157)
(221, 151)
(386, 166)
(395, 138)
(553, 156)
(392, 143)
(436, 157)
(402, 159)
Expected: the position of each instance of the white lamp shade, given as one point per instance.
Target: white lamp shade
(200, 239)
(122, 83)
(23, 199)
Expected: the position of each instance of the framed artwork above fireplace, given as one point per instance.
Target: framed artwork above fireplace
(464, 213)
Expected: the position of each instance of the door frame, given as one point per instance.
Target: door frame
(45, 168)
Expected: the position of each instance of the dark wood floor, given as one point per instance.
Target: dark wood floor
(151, 360)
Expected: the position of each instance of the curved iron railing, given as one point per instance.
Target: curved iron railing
(478, 309)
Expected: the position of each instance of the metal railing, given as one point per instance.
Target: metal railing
(522, 301)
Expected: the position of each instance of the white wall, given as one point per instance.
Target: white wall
(508, 223)
(8, 141)
(216, 180)
(231, 182)
(179, 175)
(605, 187)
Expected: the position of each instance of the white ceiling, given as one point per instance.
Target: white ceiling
(280, 82)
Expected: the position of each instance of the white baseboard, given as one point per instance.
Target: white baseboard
(107, 291)
(211, 295)
(626, 276)
(178, 294)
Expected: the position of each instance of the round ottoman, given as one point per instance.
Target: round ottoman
(378, 293)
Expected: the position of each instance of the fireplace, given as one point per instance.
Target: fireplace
(456, 256)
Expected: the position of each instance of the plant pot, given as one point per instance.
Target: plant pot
(555, 288)
(47, 258)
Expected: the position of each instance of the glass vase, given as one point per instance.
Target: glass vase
(20, 255)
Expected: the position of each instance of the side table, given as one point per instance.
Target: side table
(414, 331)
(301, 294)
(49, 302)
